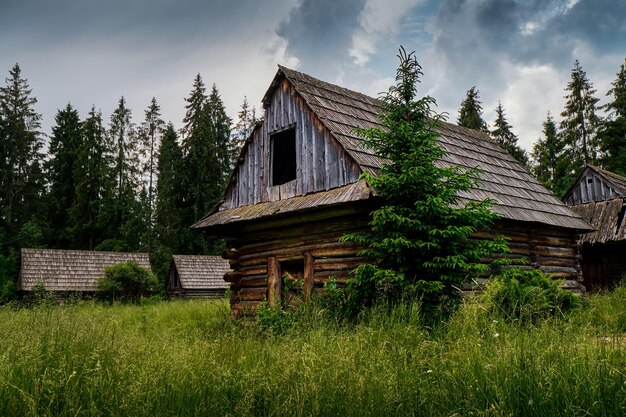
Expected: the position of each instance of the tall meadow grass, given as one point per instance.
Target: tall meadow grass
(190, 358)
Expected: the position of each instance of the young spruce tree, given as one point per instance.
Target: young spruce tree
(551, 166)
(506, 138)
(420, 236)
(470, 113)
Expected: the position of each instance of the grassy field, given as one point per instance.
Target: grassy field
(189, 358)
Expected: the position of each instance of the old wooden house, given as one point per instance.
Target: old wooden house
(70, 271)
(195, 276)
(598, 196)
(297, 189)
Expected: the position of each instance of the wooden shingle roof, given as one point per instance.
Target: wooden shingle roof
(517, 194)
(70, 270)
(197, 272)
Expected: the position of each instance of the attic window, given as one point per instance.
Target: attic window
(283, 156)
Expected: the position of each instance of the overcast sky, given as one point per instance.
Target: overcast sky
(91, 52)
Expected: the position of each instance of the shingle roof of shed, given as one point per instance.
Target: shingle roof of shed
(197, 272)
(517, 194)
(70, 270)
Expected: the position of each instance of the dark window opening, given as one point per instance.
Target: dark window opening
(293, 281)
(283, 156)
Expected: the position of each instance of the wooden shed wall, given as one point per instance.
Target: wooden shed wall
(322, 163)
(314, 247)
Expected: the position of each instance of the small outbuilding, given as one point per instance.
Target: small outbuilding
(194, 276)
(70, 271)
(599, 196)
(297, 189)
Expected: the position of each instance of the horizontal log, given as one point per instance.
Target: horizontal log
(324, 276)
(230, 254)
(330, 264)
(244, 308)
(316, 250)
(253, 294)
(556, 252)
(558, 269)
(253, 281)
(301, 239)
(550, 261)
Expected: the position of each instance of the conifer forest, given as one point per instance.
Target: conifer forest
(131, 181)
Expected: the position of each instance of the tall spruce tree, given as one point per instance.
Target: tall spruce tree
(420, 236)
(124, 206)
(612, 132)
(506, 138)
(92, 173)
(150, 135)
(21, 183)
(169, 229)
(551, 166)
(221, 126)
(64, 148)
(470, 113)
(579, 124)
(204, 131)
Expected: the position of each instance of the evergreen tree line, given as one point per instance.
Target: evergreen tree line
(581, 137)
(119, 185)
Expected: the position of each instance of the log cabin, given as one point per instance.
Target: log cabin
(197, 276)
(70, 271)
(598, 196)
(297, 188)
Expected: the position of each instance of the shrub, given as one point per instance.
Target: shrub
(527, 296)
(127, 281)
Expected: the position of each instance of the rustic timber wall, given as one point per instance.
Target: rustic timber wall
(309, 251)
(603, 265)
(322, 163)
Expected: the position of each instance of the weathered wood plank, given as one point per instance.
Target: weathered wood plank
(274, 282)
(308, 276)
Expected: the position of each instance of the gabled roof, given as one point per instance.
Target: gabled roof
(197, 272)
(70, 270)
(617, 182)
(517, 194)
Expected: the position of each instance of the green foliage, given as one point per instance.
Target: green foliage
(127, 281)
(419, 237)
(470, 113)
(506, 138)
(528, 296)
(274, 320)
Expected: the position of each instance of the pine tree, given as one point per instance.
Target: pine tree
(420, 237)
(20, 180)
(246, 120)
(92, 174)
(612, 132)
(579, 124)
(506, 138)
(65, 144)
(470, 113)
(550, 167)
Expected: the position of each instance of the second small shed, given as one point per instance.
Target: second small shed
(599, 196)
(195, 276)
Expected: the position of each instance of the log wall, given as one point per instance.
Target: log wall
(259, 257)
(321, 162)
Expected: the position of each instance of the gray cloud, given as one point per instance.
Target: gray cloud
(319, 33)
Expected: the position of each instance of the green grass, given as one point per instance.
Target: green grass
(189, 358)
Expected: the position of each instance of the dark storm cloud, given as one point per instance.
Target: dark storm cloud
(319, 33)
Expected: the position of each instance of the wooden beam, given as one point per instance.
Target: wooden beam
(274, 282)
(308, 276)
